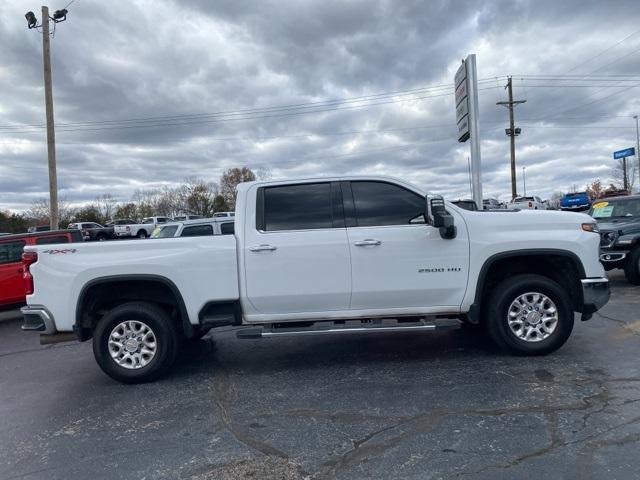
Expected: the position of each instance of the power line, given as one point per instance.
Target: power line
(271, 109)
(178, 123)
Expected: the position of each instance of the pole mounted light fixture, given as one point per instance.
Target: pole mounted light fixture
(60, 15)
(32, 21)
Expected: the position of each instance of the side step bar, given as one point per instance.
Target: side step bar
(350, 326)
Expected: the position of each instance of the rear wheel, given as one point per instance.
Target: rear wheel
(529, 315)
(632, 267)
(135, 342)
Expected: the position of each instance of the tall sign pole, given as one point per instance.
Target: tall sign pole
(468, 119)
(637, 148)
(51, 136)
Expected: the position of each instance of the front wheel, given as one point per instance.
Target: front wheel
(529, 315)
(632, 267)
(135, 342)
(142, 234)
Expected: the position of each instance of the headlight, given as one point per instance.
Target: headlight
(590, 227)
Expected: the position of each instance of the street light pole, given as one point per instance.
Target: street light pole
(51, 135)
(524, 180)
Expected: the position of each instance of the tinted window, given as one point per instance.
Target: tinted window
(197, 231)
(227, 228)
(379, 203)
(298, 207)
(52, 239)
(11, 252)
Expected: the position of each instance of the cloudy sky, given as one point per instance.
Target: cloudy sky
(149, 92)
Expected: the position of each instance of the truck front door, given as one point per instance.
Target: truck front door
(297, 255)
(397, 260)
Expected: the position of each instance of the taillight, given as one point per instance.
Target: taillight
(128, 228)
(28, 259)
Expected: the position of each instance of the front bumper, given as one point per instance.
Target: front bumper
(595, 295)
(36, 318)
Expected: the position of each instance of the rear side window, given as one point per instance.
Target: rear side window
(227, 228)
(379, 204)
(11, 252)
(52, 239)
(197, 231)
(298, 207)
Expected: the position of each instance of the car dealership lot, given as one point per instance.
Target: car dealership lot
(432, 405)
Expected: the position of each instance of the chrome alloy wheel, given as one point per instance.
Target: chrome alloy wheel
(132, 344)
(532, 317)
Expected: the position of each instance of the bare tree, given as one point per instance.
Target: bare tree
(230, 180)
(618, 174)
(197, 196)
(106, 204)
(39, 212)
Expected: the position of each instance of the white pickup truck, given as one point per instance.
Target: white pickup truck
(140, 230)
(323, 256)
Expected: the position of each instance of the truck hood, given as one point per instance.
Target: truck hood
(526, 219)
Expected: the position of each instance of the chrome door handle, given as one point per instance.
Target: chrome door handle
(367, 242)
(263, 248)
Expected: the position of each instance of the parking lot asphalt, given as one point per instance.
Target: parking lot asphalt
(427, 406)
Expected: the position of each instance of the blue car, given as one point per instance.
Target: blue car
(575, 201)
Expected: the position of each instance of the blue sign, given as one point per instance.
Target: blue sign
(627, 152)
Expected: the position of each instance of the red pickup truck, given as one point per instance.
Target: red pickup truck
(12, 286)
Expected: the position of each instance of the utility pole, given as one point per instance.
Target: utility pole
(637, 148)
(32, 22)
(51, 135)
(524, 180)
(512, 132)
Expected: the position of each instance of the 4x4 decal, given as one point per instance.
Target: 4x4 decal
(62, 251)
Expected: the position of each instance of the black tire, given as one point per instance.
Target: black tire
(166, 340)
(632, 267)
(101, 238)
(142, 234)
(508, 291)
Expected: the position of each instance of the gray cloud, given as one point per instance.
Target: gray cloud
(147, 59)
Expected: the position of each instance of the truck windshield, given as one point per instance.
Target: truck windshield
(628, 207)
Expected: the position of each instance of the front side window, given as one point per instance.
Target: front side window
(11, 252)
(197, 231)
(167, 231)
(298, 207)
(379, 204)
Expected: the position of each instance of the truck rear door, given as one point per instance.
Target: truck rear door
(297, 255)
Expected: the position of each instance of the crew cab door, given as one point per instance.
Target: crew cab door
(296, 254)
(11, 283)
(397, 260)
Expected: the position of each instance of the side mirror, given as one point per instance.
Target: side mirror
(438, 217)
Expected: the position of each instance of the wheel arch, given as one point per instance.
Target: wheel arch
(138, 287)
(539, 259)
